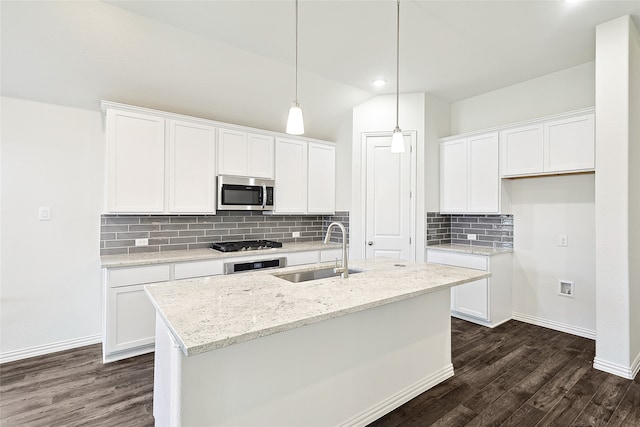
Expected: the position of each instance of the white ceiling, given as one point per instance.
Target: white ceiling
(233, 60)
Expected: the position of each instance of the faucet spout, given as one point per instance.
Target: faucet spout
(344, 269)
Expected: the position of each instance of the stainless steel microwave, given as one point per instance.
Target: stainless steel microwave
(239, 193)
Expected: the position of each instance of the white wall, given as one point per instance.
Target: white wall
(342, 137)
(543, 209)
(565, 90)
(538, 220)
(437, 125)
(50, 295)
(379, 115)
(617, 273)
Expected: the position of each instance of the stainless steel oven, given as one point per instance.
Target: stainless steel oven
(243, 193)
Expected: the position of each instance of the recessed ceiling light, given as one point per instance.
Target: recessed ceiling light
(378, 82)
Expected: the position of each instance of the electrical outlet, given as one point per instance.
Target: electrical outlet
(44, 213)
(566, 288)
(142, 242)
(472, 236)
(563, 240)
(295, 234)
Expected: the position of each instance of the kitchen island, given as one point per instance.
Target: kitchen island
(255, 349)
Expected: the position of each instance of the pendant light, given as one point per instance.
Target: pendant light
(295, 124)
(397, 140)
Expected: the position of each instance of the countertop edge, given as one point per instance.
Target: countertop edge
(471, 250)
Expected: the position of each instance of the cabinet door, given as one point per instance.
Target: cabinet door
(321, 194)
(453, 176)
(471, 299)
(233, 152)
(522, 149)
(569, 144)
(291, 176)
(191, 168)
(484, 174)
(130, 317)
(135, 162)
(260, 156)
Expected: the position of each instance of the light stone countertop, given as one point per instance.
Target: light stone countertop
(109, 261)
(471, 250)
(208, 313)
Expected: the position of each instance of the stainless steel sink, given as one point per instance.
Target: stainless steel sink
(305, 276)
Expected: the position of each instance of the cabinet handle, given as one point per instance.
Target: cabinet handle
(370, 243)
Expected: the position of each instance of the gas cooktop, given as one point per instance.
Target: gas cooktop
(245, 245)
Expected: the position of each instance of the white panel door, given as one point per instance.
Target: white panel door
(484, 174)
(261, 156)
(569, 144)
(135, 162)
(192, 186)
(471, 299)
(233, 152)
(388, 202)
(321, 194)
(291, 176)
(131, 318)
(522, 150)
(453, 176)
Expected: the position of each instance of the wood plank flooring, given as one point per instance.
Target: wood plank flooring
(514, 375)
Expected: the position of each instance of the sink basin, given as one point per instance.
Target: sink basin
(305, 276)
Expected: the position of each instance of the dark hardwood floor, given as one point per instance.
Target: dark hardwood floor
(514, 375)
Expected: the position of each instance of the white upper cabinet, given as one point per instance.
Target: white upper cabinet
(245, 154)
(135, 162)
(321, 182)
(469, 175)
(159, 165)
(562, 145)
(569, 144)
(192, 179)
(522, 150)
(291, 176)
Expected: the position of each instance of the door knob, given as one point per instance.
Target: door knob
(370, 243)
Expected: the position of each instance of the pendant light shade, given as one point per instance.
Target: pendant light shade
(295, 123)
(397, 140)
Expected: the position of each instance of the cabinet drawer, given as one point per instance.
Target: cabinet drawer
(185, 270)
(139, 275)
(457, 260)
(299, 258)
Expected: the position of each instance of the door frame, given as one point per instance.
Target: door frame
(412, 134)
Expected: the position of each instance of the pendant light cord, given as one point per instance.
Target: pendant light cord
(296, 62)
(397, 66)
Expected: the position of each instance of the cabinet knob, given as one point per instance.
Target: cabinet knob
(370, 243)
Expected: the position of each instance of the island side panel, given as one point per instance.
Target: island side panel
(348, 370)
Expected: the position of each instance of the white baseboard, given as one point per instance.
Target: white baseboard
(11, 356)
(628, 372)
(400, 398)
(551, 324)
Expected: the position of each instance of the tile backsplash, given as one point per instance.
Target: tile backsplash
(491, 230)
(186, 232)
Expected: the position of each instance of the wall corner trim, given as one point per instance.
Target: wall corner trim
(628, 372)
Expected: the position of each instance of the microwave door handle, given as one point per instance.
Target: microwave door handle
(264, 196)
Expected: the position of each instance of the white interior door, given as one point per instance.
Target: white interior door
(388, 199)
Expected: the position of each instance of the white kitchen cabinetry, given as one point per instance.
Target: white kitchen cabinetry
(562, 145)
(321, 184)
(487, 301)
(135, 162)
(470, 175)
(305, 177)
(158, 165)
(129, 326)
(192, 179)
(291, 176)
(245, 154)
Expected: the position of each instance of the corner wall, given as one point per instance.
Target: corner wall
(50, 285)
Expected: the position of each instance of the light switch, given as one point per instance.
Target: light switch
(563, 240)
(44, 213)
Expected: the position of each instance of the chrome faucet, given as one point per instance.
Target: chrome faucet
(344, 269)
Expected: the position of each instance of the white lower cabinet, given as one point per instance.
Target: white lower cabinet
(486, 302)
(128, 327)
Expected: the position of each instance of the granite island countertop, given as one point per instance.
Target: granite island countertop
(471, 250)
(208, 313)
(148, 258)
